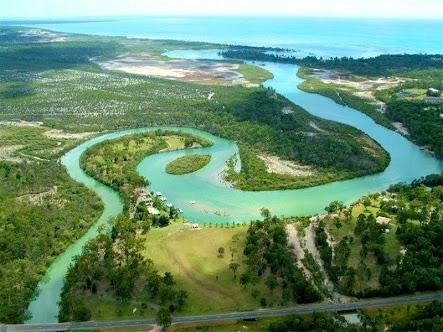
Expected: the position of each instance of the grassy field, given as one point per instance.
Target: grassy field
(187, 164)
(192, 257)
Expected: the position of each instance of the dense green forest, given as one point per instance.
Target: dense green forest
(112, 266)
(34, 234)
(382, 65)
(42, 211)
(187, 164)
(426, 317)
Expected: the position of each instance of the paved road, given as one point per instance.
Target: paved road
(301, 309)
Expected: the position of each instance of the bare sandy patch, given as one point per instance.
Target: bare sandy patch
(44, 36)
(56, 133)
(199, 71)
(21, 123)
(361, 86)
(276, 165)
(287, 110)
(400, 128)
(7, 153)
(43, 197)
(155, 71)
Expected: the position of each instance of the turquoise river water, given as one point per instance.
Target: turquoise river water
(217, 202)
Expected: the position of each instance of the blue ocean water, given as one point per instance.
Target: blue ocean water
(318, 36)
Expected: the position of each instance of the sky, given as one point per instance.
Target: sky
(430, 9)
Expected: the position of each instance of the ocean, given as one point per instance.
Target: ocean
(328, 37)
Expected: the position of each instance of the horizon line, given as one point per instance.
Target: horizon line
(91, 17)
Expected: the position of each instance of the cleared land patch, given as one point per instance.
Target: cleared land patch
(199, 71)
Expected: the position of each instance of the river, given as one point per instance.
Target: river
(217, 202)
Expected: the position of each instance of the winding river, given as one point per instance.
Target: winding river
(213, 201)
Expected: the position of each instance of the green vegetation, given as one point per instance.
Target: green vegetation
(425, 317)
(407, 102)
(220, 267)
(254, 175)
(342, 95)
(80, 96)
(382, 65)
(420, 115)
(254, 74)
(42, 211)
(268, 258)
(112, 266)
(114, 162)
(193, 256)
(187, 164)
(392, 254)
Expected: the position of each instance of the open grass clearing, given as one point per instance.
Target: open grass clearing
(191, 255)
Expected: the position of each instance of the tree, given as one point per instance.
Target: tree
(265, 213)
(221, 252)
(163, 318)
(234, 266)
(245, 278)
(334, 207)
(271, 282)
(168, 279)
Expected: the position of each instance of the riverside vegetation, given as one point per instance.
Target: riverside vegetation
(42, 211)
(405, 102)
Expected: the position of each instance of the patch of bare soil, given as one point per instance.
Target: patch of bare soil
(360, 86)
(7, 153)
(309, 245)
(43, 197)
(56, 133)
(200, 71)
(22, 123)
(44, 36)
(276, 165)
(401, 128)
(296, 248)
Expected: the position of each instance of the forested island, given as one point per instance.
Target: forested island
(187, 164)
